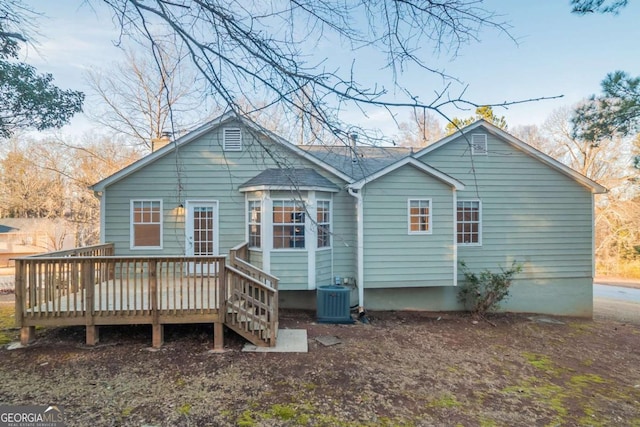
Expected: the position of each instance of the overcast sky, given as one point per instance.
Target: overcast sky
(556, 53)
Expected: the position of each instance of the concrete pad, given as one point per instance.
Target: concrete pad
(329, 340)
(15, 346)
(289, 341)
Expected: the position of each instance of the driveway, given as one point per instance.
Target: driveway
(620, 303)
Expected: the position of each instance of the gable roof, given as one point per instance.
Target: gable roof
(439, 175)
(358, 163)
(204, 129)
(289, 179)
(520, 145)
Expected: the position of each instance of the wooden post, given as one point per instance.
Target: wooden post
(157, 336)
(19, 292)
(92, 332)
(27, 333)
(218, 337)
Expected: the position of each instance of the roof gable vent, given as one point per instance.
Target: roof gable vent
(231, 139)
(479, 144)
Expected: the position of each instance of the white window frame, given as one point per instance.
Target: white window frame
(429, 216)
(132, 224)
(479, 242)
(233, 141)
(326, 224)
(251, 221)
(479, 144)
(300, 208)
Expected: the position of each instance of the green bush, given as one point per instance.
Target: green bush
(483, 293)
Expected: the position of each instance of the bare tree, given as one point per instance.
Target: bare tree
(264, 50)
(29, 190)
(145, 96)
(423, 129)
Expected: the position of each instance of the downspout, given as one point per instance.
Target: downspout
(360, 249)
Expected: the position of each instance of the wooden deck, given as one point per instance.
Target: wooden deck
(93, 287)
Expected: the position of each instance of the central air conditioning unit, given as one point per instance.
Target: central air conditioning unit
(332, 304)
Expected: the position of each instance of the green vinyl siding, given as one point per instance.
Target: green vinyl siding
(199, 171)
(570, 298)
(255, 258)
(323, 267)
(393, 258)
(291, 268)
(531, 213)
(343, 240)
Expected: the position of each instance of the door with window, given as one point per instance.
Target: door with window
(201, 225)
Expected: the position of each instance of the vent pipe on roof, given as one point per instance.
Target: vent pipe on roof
(354, 153)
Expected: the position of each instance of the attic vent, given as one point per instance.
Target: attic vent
(478, 144)
(231, 139)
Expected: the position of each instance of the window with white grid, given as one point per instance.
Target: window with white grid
(419, 216)
(469, 221)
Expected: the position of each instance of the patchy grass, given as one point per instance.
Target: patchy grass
(8, 331)
(402, 370)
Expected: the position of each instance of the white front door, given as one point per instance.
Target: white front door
(201, 229)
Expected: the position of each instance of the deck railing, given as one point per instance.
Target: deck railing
(104, 290)
(91, 286)
(238, 258)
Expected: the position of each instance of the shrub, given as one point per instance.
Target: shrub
(483, 293)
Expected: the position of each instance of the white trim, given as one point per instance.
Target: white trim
(231, 144)
(415, 163)
(287, 188)
(455, 237)
(479, 151)
(189, 224)
(131, 228)
(311, 210)
(330, 201)
(479, 242)
(359, 244)
(248, 200)
(429, 217)
(523, 146)
(267, 231)
(103, 209)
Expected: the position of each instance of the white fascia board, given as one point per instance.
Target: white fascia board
(150, 158)
(522, 146)
(287, 188)
(415, 163)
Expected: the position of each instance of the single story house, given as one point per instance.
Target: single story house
(389, 222)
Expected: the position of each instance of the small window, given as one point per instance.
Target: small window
(288, 224)
(232, 139)
(420, 216)
(469, 220)
(324, 223)
(478, 144)
(146, 224)
(254, 221)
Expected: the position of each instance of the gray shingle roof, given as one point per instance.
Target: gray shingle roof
(290, 178)
(368, 160)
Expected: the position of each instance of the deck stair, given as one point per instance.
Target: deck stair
(252, 300)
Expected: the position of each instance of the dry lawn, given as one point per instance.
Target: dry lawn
(404, 369)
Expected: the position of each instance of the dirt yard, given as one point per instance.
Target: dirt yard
(403, 369)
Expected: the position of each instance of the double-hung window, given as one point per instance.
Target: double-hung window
(323, 219)
(469, 220)
(254, 221)
(288, 224)
(419, 216)
(146, 224)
